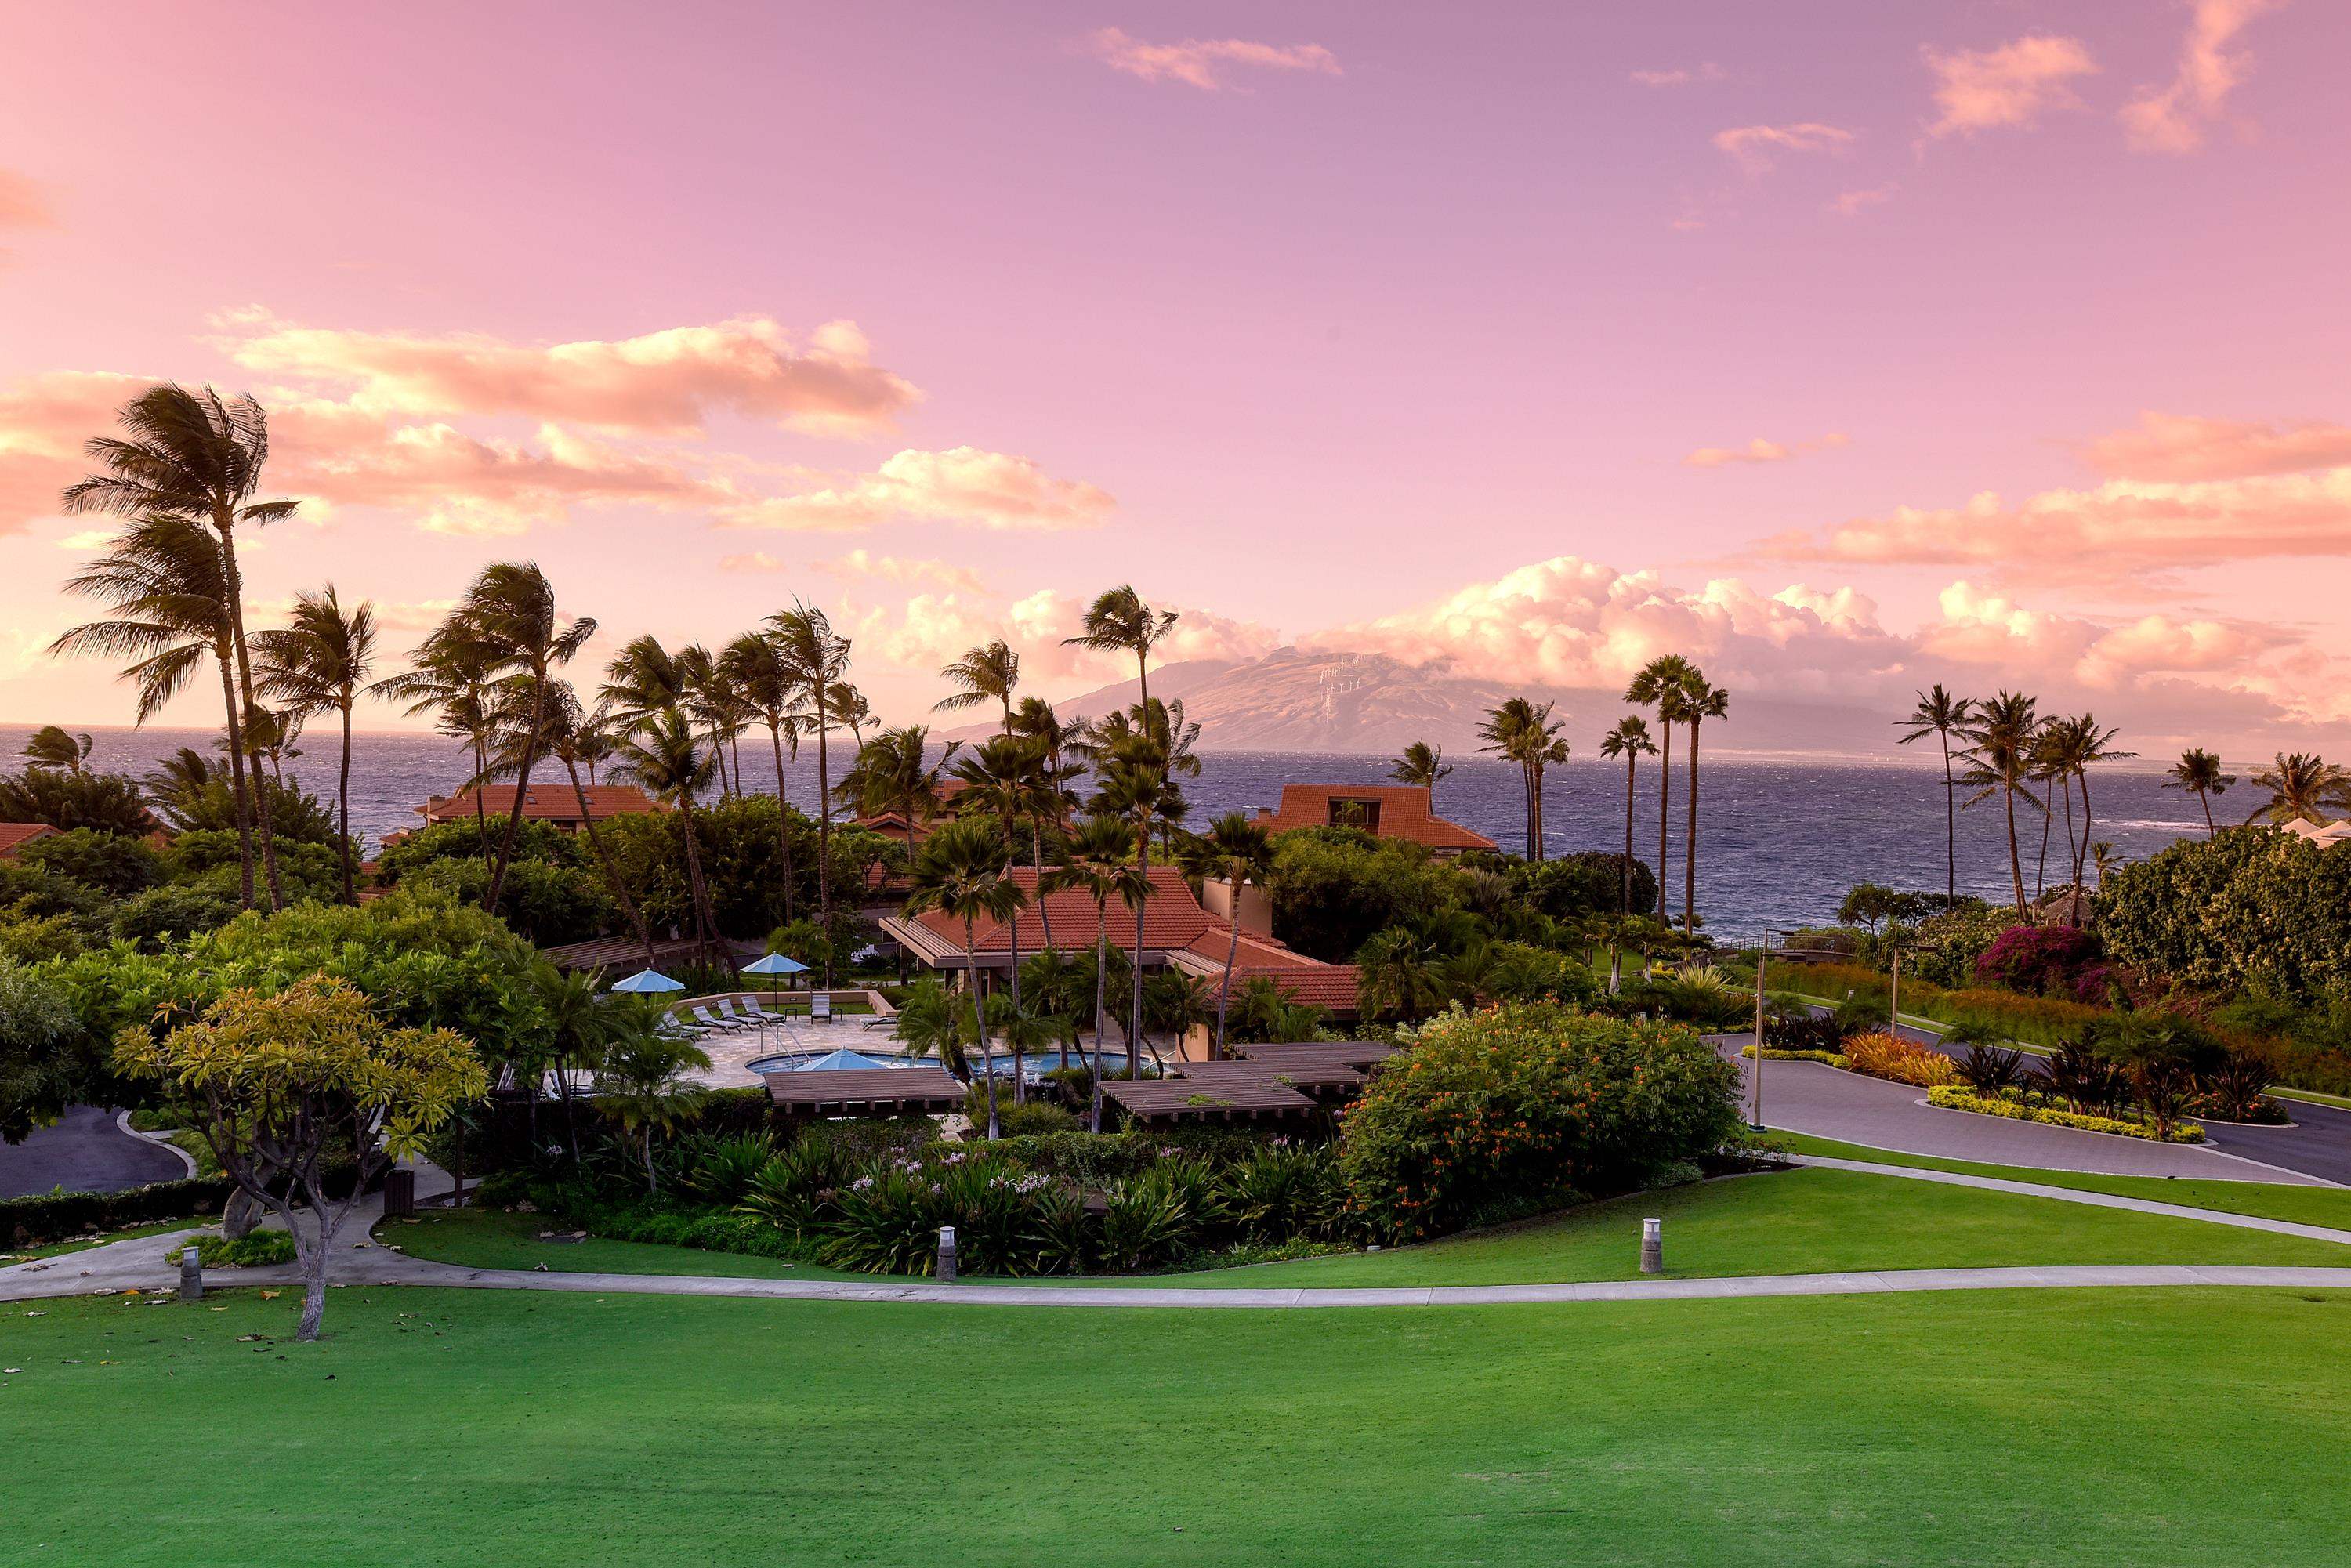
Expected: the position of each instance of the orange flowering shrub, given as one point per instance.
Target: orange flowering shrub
(1519, 1101)
(1903, 1061)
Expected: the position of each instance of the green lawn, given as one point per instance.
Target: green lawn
(2329, 1206)
(1804, 1221)
(2112, 1428)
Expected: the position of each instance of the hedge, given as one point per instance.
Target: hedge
(1825, 1058)
(37, 1220)
(1952, 1097)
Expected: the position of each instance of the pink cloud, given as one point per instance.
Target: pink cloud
(2174, 118)
(1759, 451)
(1849, 203)
(964, 484)
(1680, 76)
(23, 203)
(1200, 62)
(902, 570)
(664, 383)
(2184, 447)
(932, 629)
(43, 420)
(1755, 148)
(2015, 84)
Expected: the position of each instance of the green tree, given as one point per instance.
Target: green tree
(455, 678)
(959, 872)
(1118, 621)
(1661, 683)
(1238, 852)
(1699, 703)
(2199, 772)
(672, 767)
(1100, 863)
(1942, 716)
(817, 658)
(643, 1082)
(1399, 972)
(52, 746)
(1630, 740)
(1423, 765)
(320, 663)
(2303, 787)
(984, 675)
(1999, 755)
(765, 683)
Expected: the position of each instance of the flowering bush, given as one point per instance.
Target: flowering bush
(1517, 1102)
(2047, 960)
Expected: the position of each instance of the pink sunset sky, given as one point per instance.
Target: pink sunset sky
(1844, 346)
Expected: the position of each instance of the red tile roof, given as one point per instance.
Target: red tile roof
(1403, 811)
(550, 802)
(14, 836)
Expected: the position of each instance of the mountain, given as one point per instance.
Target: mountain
(1295, 700)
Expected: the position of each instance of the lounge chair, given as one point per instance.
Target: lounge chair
(724, 1008)
(682, 1028)
(758, 1014)
(702, 1016)
(820, 1007)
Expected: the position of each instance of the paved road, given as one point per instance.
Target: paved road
(84, 1152)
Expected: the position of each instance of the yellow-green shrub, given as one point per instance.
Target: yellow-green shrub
(1953, 1097)
(1902, 1060)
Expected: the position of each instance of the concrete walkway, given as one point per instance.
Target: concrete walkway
(144, 1263)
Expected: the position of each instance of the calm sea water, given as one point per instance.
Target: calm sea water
(1779, 840)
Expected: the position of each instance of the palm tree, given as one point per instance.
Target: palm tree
(1421, 764)
(568, 732)
(52, 746)
(1941, 715)
(320, 663)
(763, 681)
(1238, 850)
(665, 758)
(2085, 742)
(1100, 864)
(2102, 857)
(200, 456)
(1630, 740)
(1119, 621)
(893, 773)
(817, 658)
(2051, 763)
(578, 1022)
(455, 677)
(710, 698)
(641, 1083)
(162, 584)
(1522, 731)
(983, 674)
(2199, 770)
(1398, 971)
(642, 682)
(959, 872)
(1661, 683)
(928, 1025)
(1134, 784)
(999, 780)
(2303, 786)
(1699, 703)
(1999, 755)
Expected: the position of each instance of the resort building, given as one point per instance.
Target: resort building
(556, 803)
(14, 836)
(2330, 833)
(1384, 811)
(1177, 932)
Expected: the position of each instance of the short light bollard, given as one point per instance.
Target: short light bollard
(947, 1255)
(1653, 1246)
(192, 1275)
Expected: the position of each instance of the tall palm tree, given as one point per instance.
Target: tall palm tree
(53, 746)
(2000, 757)
(671, 765)
(162, 583)
(710, 701)
(1239, 852)
(1035, 721)
(1630, 740)
(1660, 684)
(1421, 764)
(198, 456)
(984, 675)
(1100, 863)
(999, 780)
(320, 663)
(763, 681)
(959, 872)
(1521, 730)
(1699, 703)
(894, 773)
(642, 682)
(1134, 784)
(454, 678)
(568, 731)
(2199, 770)
(1119, 621)
(2092, 743)
(817, 658)
(2051, 764)
(1942, 716)
(2303, 787)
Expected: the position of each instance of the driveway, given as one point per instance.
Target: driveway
(1807, 1097)
(84, 1151)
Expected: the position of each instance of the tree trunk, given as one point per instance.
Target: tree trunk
(1624, 904)
(2088, 827)
(481, 803)
(2048, 816)
(979, 1022)
(1689, 844)
(236, 774)
(620, 894)
(2015, 860)
(1012, 934)
(2205, 800)
(1141, 903)
(1225, 991)
(1101, 1001)
(1950, 829)
(1037, 860)
(236, 586)
(522, 783)
(783, 817)
(824, 843)
(705, 930)
(343, 806)
(1664, 810)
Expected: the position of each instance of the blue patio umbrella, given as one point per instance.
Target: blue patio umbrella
(773, 965)
(648, 982)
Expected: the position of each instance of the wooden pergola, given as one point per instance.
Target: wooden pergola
(865, 1091)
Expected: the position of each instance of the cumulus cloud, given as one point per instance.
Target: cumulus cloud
(1680, 76)
(1760, 450)
(2176, 116)
(43, 420)
(662, 383)
(2184, 447)
(933, 628)
(964, 484)
(2015, 84)
(902, 570)
(1756, 148)
(1203, 63)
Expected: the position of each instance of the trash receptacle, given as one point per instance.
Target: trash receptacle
(399, 1193)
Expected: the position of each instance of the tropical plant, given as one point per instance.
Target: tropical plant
(1119, 621)
(984, 675)
(1422, 764)
(1098, 864)
(894, 772)
(1239, 852)
(455, 678)
(1942, 716)
(1135, 784)
(1699, 703)
(320, 663)
(1522, 731)
(1661, 683)
(1630, 740)
(642, 1081)
(571, 736)
(763, 681)
(52, 746)
(2001, 736)
(959, 872)
(1399, 973)
(817, 659)
(672, 767)
(104, 802)
(2303, 787)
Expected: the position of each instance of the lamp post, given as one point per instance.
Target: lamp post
(1755, 1076)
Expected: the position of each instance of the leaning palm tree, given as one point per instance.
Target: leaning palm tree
(198, 456)
(1660, 684)
(1100, 863)
(712, 702)
(2087, 742)
(666, 760)
(1699, 703)
(320, 663)
(455, 678)
(1134, 784)
(984, 675)
(1422, 764)
(2199, 770)
(53, 745)
(2303, 787)
(163, 586)
(1999, 756)
(1119, 621)
(1630, 740)
(1516, 731)
(756, 666)
(567, 733)
(894, 773)
(999, 780)
(959, 872)
(1941, 715)
(1238, 852)
(817, 658)
(641, 682)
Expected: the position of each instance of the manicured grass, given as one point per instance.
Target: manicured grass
(59, 1248)
(2329, 1206)
(490, 1238)
(2112, 1428)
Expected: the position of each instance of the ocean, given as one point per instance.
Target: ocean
(1779, 840)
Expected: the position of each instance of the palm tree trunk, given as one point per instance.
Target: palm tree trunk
(236, 773)
(783, 818)
(1624, 904)
(1037, 860)
(1101, 1000)
(1224, 990)
(2049, 815)
(2015, 860)
(2073, 853)
(979, 1021)
(2205, 800)
(706, 929)
(522, 783)
(1689, 844)
(620, 894)
(1142, 902)
(2088, 827)
(236, 586)
(1664, 806)
(1950, 830)
(481, 802)
(343, 804)
(1012, 936)
(824, 846)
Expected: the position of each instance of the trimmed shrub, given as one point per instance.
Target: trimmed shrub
(255, 1249)
(1901, 1060)
(1951, 1097)
(56, 1215)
